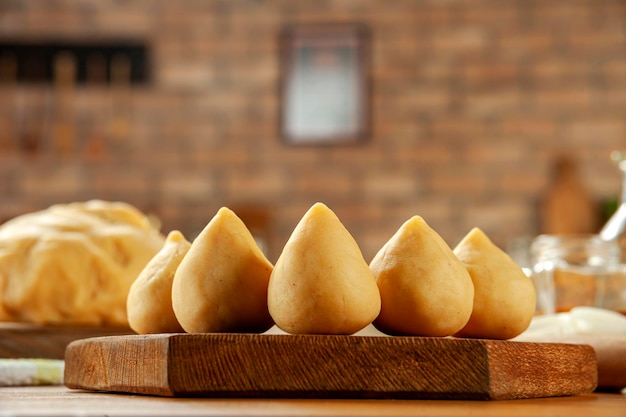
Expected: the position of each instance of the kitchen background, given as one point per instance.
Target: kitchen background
(473, 106)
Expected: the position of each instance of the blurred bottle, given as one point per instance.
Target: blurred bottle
(615, 231)
(120, 121)
(615, 228)
(567, 207)
(95, 146)
(8, 83)
(65, 67)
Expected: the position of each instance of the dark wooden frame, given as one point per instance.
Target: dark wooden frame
(303, 51)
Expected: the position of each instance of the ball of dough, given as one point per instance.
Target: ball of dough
(321, 284)
(504, 297)
(74, 263)
(149, 302)
(424, 288)
(220, 285)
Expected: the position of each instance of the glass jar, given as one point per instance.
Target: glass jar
(572, 270)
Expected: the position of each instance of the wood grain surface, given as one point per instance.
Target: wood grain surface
(23, 340)
(610, 353)
(316, 366)
(59, 401)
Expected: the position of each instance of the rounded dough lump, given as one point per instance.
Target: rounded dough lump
(74, 263)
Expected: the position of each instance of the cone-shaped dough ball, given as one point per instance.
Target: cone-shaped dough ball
(424, 288)
(321, 284)
(221, 284)
(504, 298)
(149, 302)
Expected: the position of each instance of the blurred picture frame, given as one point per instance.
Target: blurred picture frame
(324, 84)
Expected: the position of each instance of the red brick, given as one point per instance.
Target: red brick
(595, 131)
(493, 103)
(469, 103)
(462, 40)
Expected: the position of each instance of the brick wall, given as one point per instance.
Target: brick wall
(471, 101)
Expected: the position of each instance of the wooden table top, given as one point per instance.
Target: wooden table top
(59, 400)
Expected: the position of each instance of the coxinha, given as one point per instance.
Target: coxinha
(416, 285)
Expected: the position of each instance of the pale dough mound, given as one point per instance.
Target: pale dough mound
(74, 263)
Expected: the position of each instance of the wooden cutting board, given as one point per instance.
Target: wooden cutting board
(610, 354)
(24, 340)
(318, 366)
